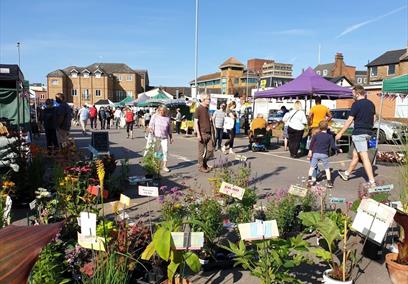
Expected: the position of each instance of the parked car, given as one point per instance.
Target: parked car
(275, 116)
(389, 130)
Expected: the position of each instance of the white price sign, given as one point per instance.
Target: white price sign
(152, 191)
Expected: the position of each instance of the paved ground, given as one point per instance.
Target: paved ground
(272, 170)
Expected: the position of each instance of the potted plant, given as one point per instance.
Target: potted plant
(151, 164)
(397, 263)
(340, 268)
(178, 260)
(271, 260)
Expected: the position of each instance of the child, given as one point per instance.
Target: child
(50, 125)
(320, 146)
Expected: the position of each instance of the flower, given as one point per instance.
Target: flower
(8, 184)
(88, 269)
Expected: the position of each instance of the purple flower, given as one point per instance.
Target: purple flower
(161, 199)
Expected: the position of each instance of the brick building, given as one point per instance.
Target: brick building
(87, 85)
(337, 69)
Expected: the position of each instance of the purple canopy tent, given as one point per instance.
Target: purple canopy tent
(307, 84)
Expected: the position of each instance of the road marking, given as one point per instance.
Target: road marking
(185, 159)
(298, 160)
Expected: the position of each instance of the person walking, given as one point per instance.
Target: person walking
(285, 134)
(93, 113)
(146, 119)
(203, 128)
(116, 117)
(109, 116)
(178, 120)
(64, 117)
(83, 115)
(229, 126)
(160, 128)
(50, 126)
(363, 115)
(296, 126)
(218, 119)
(318, 113)
(102, 117)
(320, 147)
(130, 120)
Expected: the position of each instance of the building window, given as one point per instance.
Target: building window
(73, 92)
(129, 78)
(129, 93)
(98, 93)
(119, 77)
(98, 75)
(54, 82)
(325, 72)
(359, 80)
(120, 95)
(42, 96)
(85, 94)
(391, 69)
(86, 75)
(373, 71)
(318, 72)
(236, 81)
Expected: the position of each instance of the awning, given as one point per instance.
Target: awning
(397, 84)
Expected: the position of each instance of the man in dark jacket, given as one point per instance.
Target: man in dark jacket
(64, 117)
(102, 117)
(50, 125)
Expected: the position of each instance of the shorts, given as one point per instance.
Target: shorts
(360, 142)
(285, 132)
(320, 157)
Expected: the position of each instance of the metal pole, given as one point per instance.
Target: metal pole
(18, 49)
(247, 83)
(379, 125)
(196, 50)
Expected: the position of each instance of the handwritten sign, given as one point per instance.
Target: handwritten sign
(258, 230)
(32, 204)
(152, 191)
(337, 200)
(297, 190)
(100, 141)
(88, 223)
(91, 242)
(373, 219)
(382, 188)
(232, 190)
(184, 240)
(124, 200)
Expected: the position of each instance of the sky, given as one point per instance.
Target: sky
(158, 35)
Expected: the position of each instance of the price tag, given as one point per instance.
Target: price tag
(382, 188)
(32, 204)
(258, 230)
(184, 240)
(232, 190)
(152, 191)
(88, 223)
(124, 200)
(297, 190)
(337, 200)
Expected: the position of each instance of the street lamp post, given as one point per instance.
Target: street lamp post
(196, 50)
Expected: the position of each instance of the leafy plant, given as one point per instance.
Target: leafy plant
(110, 268)
(177, 259)
(331, 233)
(151, 163)
(271, 260)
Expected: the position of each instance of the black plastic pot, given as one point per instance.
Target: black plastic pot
(373, 251)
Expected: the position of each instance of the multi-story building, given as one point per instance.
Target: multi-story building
(87, 85)
(337, 69)
(41, 94)
(390, 64)
(362, 77)
(235, 79)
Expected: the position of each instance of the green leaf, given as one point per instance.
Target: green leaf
(322, 253)
(172, 269)
(310, 218)
(162, 243)
(329, 231)
(192, 261)
(148, 252)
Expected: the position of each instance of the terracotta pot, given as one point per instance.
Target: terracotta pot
(328, 280)
(398, 272)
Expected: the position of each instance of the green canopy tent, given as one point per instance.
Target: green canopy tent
(160, 96)
(14, 94)
(124, 102)
(392, 87)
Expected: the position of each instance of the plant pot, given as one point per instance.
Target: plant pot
(328, 280)
(372, 251)
(398, 272)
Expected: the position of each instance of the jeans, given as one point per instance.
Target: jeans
(51, 136)
(320, 157)
(102, 121)
(178, 125)
(93, 122)
(231, 136)
(218, 137)
(205, 150)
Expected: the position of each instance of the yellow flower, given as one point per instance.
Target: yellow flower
(177, 206)
(61, 183)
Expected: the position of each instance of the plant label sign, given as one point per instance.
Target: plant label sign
(381, 188)
(187, 240)
(241, 158)
(258, 230)
(152, 191)
(297, 190)
(32, 204)
(232, 190)
(91, 242)
(337, 200)
(124, 200)
(87, 223)
(373, 219)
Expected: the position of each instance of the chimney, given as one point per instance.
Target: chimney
(338, 65)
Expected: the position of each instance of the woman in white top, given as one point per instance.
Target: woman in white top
(296, 126)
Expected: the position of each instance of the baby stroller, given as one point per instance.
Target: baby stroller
(257, 140)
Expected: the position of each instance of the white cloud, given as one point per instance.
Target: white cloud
(359, 25)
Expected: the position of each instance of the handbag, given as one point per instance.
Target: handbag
(228, 123)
